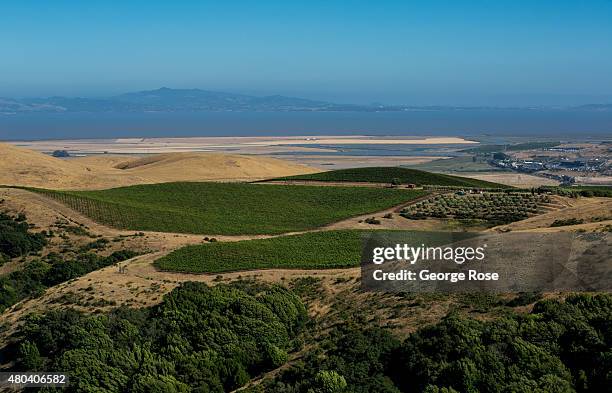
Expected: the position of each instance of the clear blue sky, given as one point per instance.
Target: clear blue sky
(414, 52)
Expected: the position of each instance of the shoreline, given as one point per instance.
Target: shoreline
(238, 145)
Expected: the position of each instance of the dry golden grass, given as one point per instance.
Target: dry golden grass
(108, 161)
(169, 167)
(23, 167)
(596, 213)
(513, 179)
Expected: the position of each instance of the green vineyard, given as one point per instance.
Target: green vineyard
(315, 250)
(228, 208)
(312, 250)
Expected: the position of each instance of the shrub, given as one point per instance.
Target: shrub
(372, 221)
(98, 244)
(15, 238)
(566, 222)
(329, 382)
(29, 356)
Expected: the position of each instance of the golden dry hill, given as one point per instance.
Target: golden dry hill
(209, 166)
(23, 167)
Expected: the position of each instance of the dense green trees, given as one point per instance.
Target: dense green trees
(469, 356)
(352, 356)
(15, 238)
(215, 339)
(562, 346)
(199, 339)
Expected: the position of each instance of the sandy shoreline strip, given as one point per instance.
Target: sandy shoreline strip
(370, 141)
(246, 145)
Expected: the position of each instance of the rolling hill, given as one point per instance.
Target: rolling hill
(228, 208)
(388, 174)
(169, 167)
(23, 167)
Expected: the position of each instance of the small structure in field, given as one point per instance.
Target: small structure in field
(60, 154)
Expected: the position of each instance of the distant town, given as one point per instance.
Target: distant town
(564, 163)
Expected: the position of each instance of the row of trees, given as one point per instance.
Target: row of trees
(496, 208)
(575, 192)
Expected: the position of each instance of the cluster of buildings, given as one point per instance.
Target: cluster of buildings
(555, 164)
(560, 164)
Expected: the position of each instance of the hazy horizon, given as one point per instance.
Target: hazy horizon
(500, 101)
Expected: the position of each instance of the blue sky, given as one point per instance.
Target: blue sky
(413, 52)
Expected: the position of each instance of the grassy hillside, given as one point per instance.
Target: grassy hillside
(313, 250)
(387, 174)
(228, 208)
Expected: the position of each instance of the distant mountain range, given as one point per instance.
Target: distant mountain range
(196, 100)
